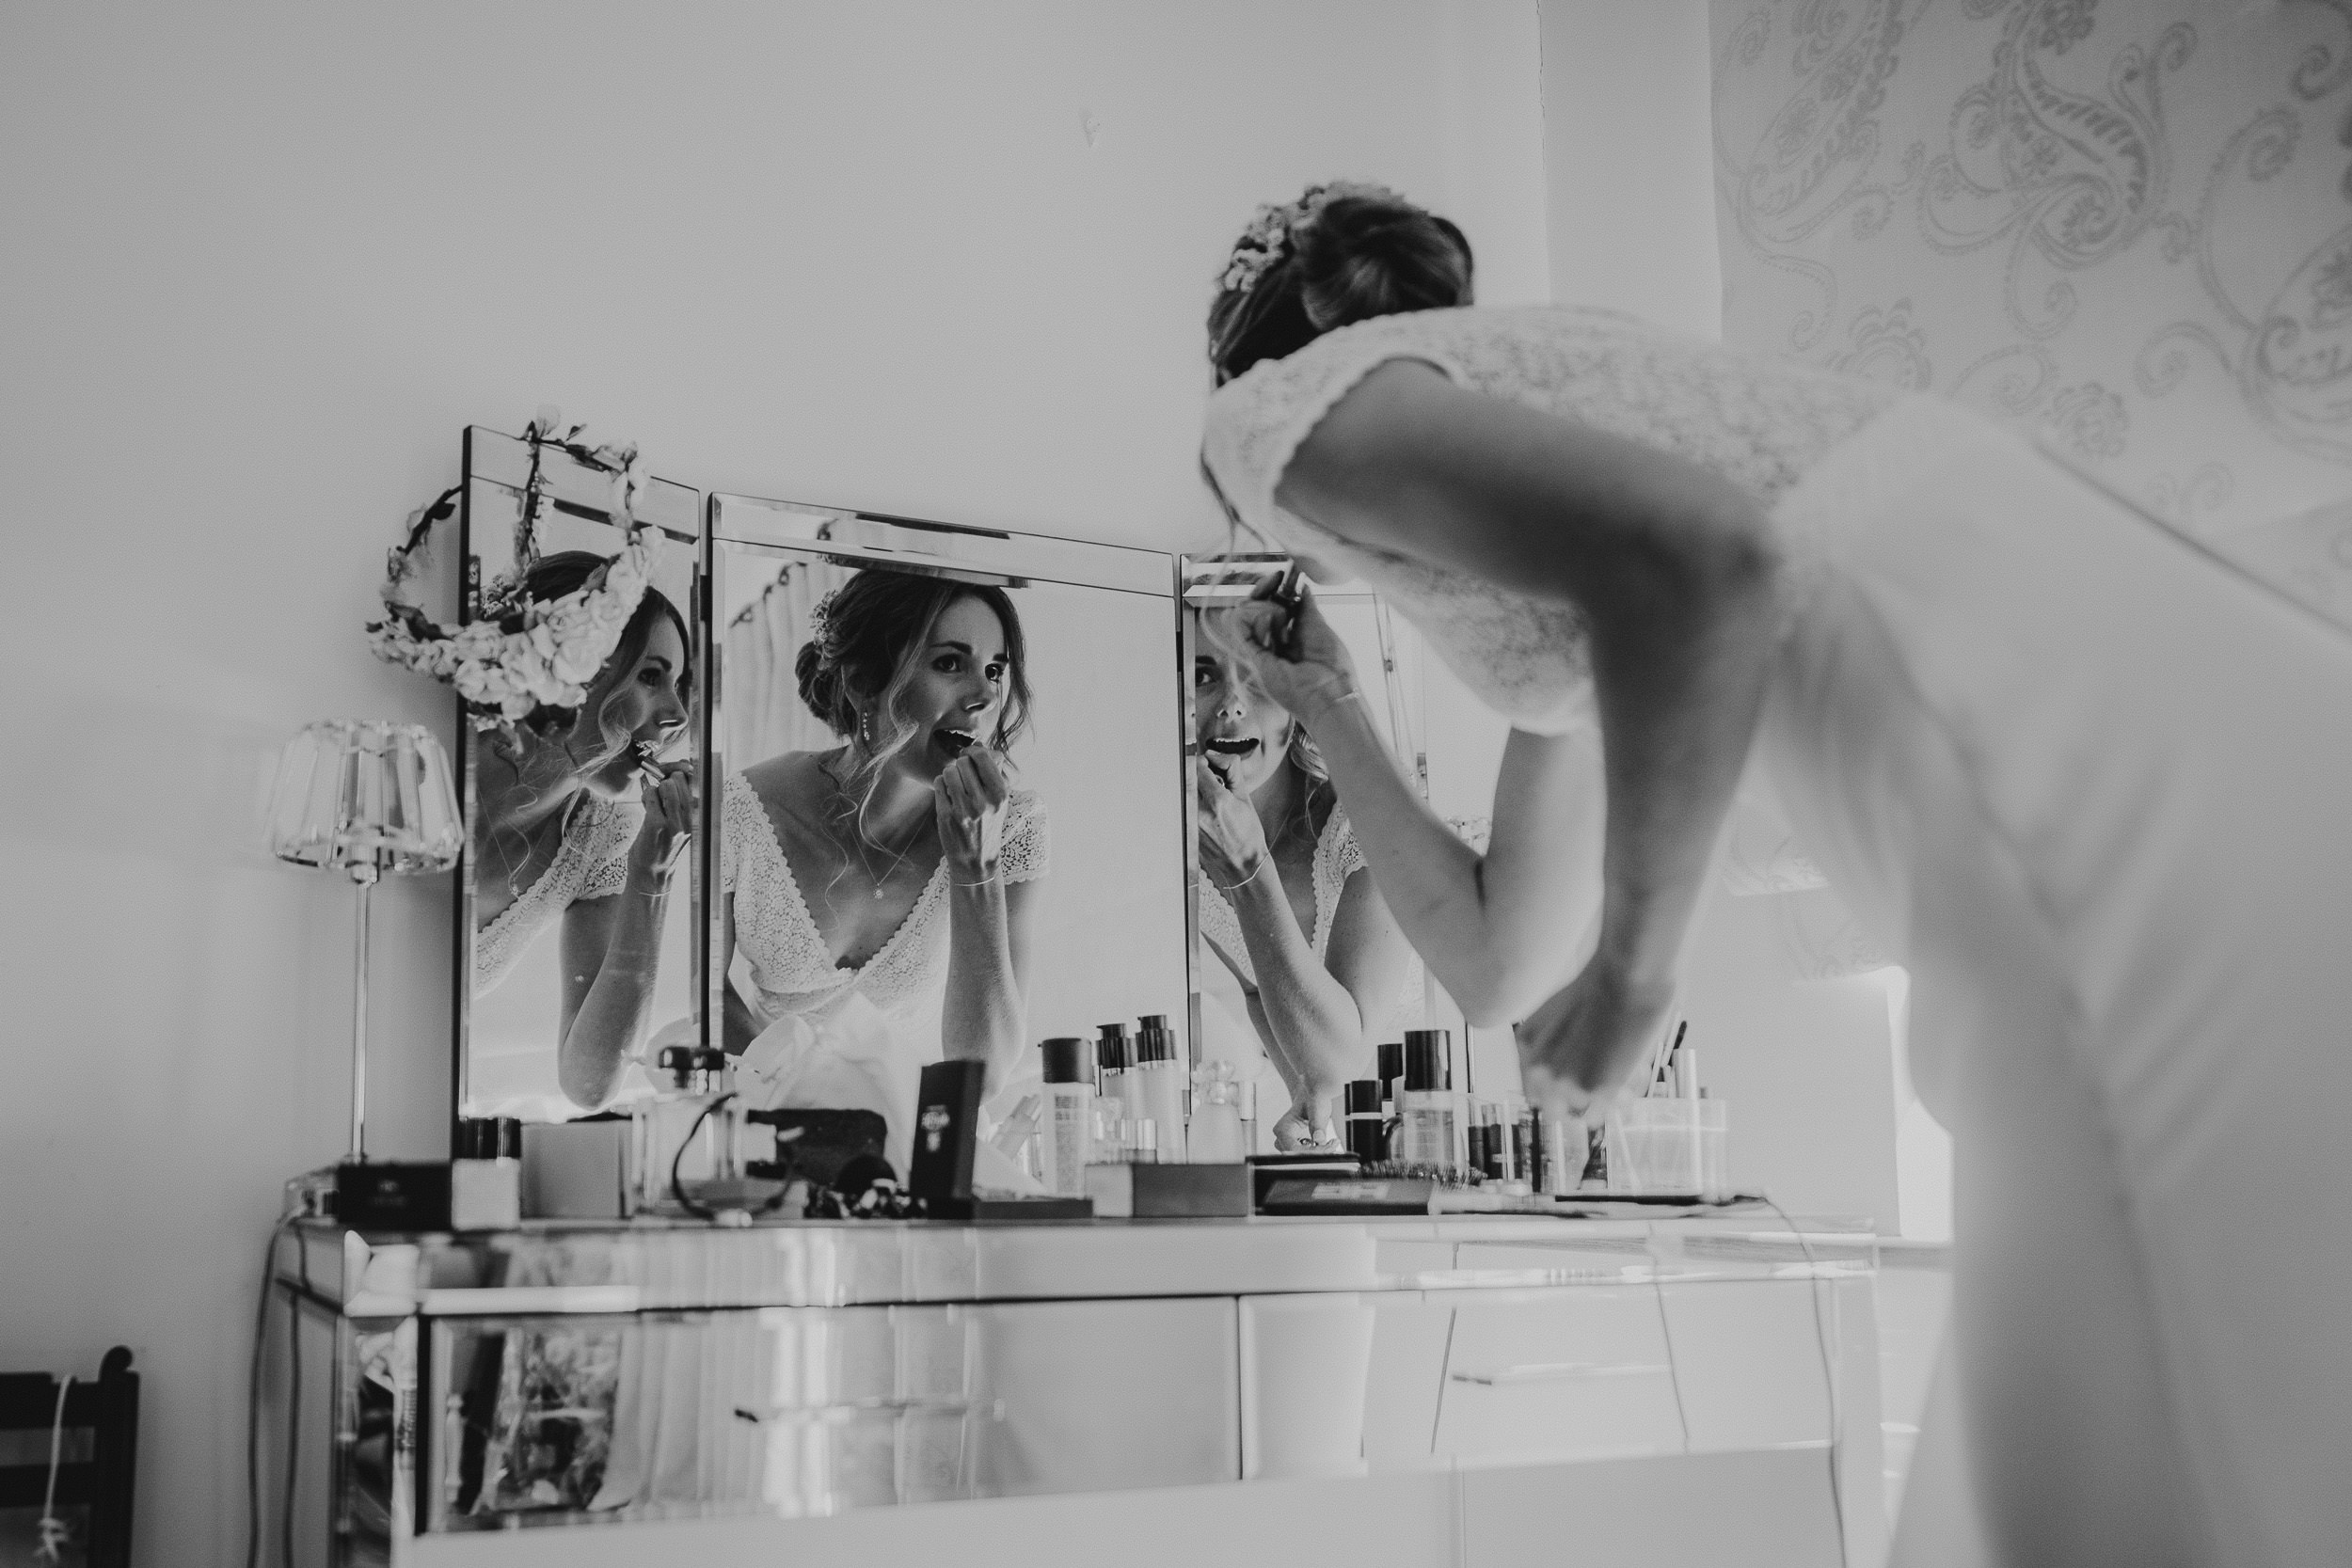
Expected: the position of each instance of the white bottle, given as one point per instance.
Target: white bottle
(1157, 1086)
(1066, 1134)
(1431, 1127)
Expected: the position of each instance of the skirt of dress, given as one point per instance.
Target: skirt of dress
(2096, 790)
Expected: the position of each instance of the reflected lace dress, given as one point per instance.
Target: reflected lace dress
(845, 1037)
(2089, 786)
(591, 862)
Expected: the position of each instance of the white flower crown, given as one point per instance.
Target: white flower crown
(557, 645)
(1269, 238)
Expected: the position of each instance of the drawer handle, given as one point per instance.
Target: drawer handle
(1560, 1372)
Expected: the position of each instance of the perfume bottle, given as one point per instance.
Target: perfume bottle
(691, 1129)
(1066, 1140)
(1430, 1119)
(1367, 1126)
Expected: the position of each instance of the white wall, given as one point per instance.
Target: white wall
(265, 261)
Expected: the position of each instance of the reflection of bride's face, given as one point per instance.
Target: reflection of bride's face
(1243, 733)
(957, 686)
(648, 703)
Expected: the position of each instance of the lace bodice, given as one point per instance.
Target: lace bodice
(778, 936)
(1759, 422)
(591, 862)
(1338, 857)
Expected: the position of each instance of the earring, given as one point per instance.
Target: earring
(865, 726)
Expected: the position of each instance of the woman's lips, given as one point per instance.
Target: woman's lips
(955, 742)
(1232, 746)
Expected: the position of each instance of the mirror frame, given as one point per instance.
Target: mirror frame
(578, 490)
(925, 548)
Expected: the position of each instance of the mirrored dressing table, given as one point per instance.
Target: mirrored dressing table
(892, 1388)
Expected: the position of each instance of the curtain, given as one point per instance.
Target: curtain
(2124, 228)
(762, 712)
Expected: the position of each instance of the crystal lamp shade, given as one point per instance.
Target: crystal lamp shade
(365, 797)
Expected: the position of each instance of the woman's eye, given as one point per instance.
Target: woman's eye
(947, 664)
(996, 672)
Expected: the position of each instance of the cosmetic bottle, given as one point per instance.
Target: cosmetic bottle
(1114, 1055)
(1213, 1132)
(1366, 1127)
(1140, 1141)
(1158, 1085)
(1066, 1141)
(485, 1190)
(1430, 1129)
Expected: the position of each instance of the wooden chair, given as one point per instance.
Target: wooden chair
(95, 1472)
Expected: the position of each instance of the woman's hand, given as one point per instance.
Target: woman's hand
(1296, 1132)
(1232, 841)
(1294, 657)
(1576, 1049)
(671, 807)
(969, 803)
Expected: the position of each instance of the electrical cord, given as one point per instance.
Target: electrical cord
(677, 1187)
(1829, 1377)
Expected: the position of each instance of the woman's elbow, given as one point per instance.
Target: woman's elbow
(1493, 994)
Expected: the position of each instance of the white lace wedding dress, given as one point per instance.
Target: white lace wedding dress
(591, 861)
(2089, 786)
(846, 1037)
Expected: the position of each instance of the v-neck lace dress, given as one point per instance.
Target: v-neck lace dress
(845, 1037)
(2088, 786)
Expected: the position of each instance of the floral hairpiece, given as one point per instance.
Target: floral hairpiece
(521, 653)
(821, 632)
(1269, 238)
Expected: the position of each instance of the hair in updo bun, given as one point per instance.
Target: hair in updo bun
(861, 656)
(1340, 254)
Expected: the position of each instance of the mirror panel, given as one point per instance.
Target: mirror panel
(546, 890)
(834, 996)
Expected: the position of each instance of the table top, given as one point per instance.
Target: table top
(580, 1266)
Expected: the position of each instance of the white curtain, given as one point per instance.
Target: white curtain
(762, 714)
(2126, 227)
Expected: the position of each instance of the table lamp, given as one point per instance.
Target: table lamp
(364, 796)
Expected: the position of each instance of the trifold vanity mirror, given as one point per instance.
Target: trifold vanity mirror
(771, 825)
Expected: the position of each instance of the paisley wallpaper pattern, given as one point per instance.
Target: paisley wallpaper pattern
(2124, 224)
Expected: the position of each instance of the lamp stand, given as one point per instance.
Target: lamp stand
(365, 873)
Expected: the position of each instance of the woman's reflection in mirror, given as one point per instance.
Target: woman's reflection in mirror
(1288, 908)
(886, 882)
(584, 812)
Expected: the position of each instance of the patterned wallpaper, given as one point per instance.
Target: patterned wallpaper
(2125, 225)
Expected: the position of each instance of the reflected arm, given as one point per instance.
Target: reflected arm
(1316, 1018)
(610, 950)
(988, 972)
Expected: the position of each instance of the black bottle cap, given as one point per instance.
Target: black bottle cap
(676, 1062)
(1152, 1021)
(1154, 1044)
(1428, 1059)
(1112, 1052)
(709, 1058)
(477, 1139)
(510, 1137)
(1066, 1061)
(1391, 1061)
(1363, 1097)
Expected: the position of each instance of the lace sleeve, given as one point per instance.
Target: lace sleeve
(1258, 420)
(1029, 851)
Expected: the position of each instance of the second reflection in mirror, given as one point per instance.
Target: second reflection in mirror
(1288, 908)
(879, 859)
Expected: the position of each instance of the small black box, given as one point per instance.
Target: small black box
(946, 1130)
(391, 1197)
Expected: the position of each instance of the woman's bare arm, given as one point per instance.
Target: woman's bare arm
(1677, 582)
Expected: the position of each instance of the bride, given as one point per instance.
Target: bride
(2087, 785)
(881, 891)
(581, 826)
(1288, 910)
